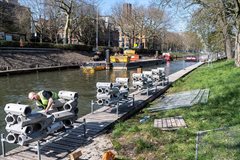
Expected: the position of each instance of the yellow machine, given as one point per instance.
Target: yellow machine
(129, 55)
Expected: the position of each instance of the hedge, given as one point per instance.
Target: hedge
(46, 45)
(75, 47)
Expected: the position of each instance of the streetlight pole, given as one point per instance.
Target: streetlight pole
(97, 30)
(109, 42)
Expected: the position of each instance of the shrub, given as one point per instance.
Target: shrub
(46, 45)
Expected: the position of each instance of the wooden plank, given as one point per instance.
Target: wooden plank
(173, 122)
(164, 123)
(169, 123)
(177, 121)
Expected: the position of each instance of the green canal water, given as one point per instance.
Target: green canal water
(15, 88)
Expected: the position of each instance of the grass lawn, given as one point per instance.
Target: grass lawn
(135, 140)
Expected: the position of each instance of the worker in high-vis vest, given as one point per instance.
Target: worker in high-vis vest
(44, 99)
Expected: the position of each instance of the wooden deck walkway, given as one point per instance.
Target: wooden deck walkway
(96, 123)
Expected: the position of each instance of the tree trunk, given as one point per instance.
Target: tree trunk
(228, 47)
(65, 34)
(237, 50)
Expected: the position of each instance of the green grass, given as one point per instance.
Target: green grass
(141, 140)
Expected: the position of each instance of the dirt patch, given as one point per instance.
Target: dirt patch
(96, 148)
(18, 59)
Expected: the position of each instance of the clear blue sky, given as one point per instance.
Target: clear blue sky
(178, 21)
(106, 5)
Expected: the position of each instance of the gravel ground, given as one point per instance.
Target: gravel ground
(95, 149)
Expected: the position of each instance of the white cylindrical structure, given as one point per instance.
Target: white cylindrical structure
(110, 101)
(100, 90)
(100, 102)
(104, 96)
(68, 95)
(18, 129)
(42, 125)
(117, 85)
(147, 74)
(58, 103)
(137, 83)
(156, 72)
(11, 138)
(113, 90)
(11, 119)
(62, 115)
(124, 93)
(54, 127)
(70, 105)
(17, 109)
(67, 122)
(24, 140)
(31, 119)
(122, 80)
(137, 76)
(103, 85)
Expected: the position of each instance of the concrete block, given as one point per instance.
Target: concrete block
(17, 109)
(112, 91)
(110, 101)
(24, 140)
(43, 124)
(11, 119)
(104, 85)
(58, 103)
(68, 95)
(117, 85)
(156, 72)
(31, 119)
(137, 76)
(124, 93)
(147, 74)
(62, 115)
(54, 127)
(100, 102)
(12, 138)
(18, 129)
(122, 80)
(70, 105)
(68, 122)
(104, 96)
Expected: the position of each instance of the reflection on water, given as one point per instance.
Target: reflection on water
(15, 88)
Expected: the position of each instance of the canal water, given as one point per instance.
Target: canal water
(15, 88)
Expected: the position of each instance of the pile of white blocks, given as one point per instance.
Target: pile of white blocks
(107, 93)
(24, 126)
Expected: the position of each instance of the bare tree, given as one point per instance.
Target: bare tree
(38, 15)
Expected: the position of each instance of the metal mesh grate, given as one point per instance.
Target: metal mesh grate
(219, 144)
